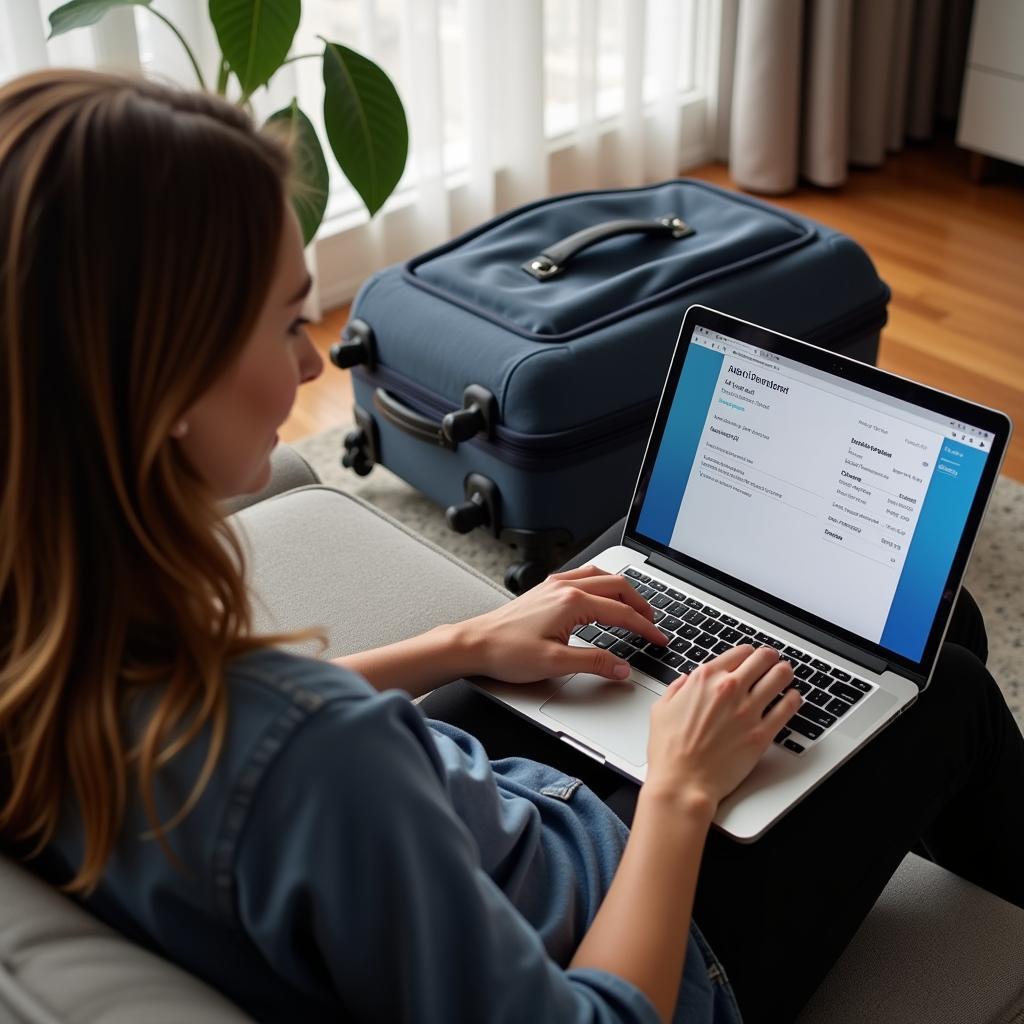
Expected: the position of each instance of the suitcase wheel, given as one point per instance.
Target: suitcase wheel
(361, 444)
(539, 552)
(357, 347)
(356, 456)
(523, 576)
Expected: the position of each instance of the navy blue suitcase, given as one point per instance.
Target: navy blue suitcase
(512, 374)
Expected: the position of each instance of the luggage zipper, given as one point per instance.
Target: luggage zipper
(517, 447)
(872, 315)
(547, 451)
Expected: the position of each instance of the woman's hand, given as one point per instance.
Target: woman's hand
(708, 729)
(527, 639)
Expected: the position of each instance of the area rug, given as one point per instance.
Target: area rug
(994, 576)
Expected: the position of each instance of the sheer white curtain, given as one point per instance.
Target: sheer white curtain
(507, 102)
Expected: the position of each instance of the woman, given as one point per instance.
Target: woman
(296, 831)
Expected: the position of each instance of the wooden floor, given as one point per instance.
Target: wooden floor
(951, 251)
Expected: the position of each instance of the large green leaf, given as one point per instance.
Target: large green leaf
(365, 124)
(254, 36)
(78, 13)
(309, 196)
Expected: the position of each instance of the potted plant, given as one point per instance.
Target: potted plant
(363, 115)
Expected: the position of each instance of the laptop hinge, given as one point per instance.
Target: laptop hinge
(789, 622)
(582, 748)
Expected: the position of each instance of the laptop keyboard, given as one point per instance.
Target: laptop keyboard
(699, 632)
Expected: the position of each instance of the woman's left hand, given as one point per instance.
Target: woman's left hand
(527, 639)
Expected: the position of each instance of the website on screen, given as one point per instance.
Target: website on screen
(835, 498)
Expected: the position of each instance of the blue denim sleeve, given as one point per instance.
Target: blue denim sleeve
(359, 884)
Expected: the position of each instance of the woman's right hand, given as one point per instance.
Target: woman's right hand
(708, 729)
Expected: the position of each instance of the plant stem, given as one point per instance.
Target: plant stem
(222, 77)
(301, 56)
(181, 38)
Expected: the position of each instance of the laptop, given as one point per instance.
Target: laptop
(795, 498)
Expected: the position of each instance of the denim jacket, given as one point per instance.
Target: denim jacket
(351, 860)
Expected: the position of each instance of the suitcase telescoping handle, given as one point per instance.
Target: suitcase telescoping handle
(552, 260)
(479, 413)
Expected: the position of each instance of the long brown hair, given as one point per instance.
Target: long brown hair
(139, 228)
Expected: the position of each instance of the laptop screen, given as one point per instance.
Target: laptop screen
(834, 497)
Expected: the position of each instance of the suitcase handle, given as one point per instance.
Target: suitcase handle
(552, 260)
(479, 412)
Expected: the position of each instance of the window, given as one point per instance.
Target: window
(506, 101)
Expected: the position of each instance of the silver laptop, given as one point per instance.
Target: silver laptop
(795, 498)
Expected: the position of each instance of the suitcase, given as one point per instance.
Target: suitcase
(512, 374)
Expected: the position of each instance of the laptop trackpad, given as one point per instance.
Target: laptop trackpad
(617, 716)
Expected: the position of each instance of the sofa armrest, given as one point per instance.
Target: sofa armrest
(288, 469)
(319, 556)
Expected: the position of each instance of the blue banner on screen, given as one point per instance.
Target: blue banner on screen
(679, 442)
(837, 499)
(946, 506)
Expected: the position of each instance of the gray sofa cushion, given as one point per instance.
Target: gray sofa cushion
(288, 469)
(320, 557)
(59, 964)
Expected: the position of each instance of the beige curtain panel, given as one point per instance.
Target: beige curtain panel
(818, 85)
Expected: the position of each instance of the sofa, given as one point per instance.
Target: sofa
(934, 949)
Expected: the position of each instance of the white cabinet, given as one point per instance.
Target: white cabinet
(992, 105)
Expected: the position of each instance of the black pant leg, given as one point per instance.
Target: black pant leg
(967, 627)
(780, 911)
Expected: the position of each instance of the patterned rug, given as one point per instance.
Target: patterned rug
(993, 577)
